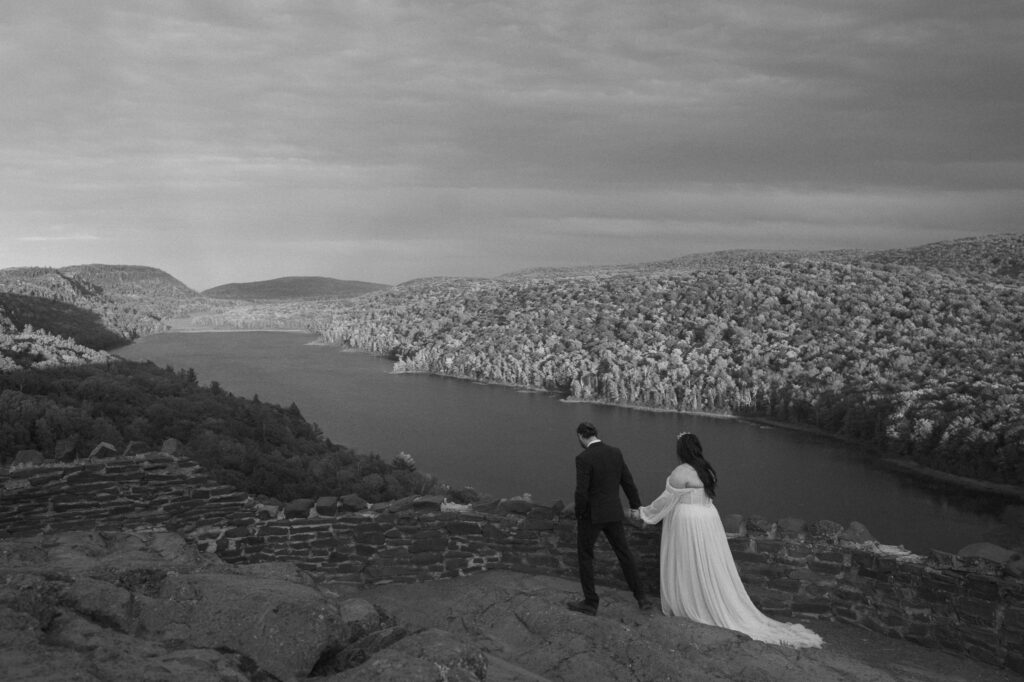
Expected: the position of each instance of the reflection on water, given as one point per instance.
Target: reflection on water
(507, 442)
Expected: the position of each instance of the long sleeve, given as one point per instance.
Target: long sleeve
(657, 510)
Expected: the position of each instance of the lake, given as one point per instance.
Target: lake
(505, 442)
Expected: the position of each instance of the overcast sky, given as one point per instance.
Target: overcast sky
(382, 141)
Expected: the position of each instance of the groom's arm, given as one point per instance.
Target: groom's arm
(582, 496)
(629, 487)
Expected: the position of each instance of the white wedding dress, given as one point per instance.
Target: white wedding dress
(699, 579)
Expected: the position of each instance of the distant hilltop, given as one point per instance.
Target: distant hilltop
(284, 288)
(83, 281)
(99, 306)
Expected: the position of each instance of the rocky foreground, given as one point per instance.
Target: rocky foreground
(89, 606)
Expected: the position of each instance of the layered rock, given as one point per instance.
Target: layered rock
(147, 606)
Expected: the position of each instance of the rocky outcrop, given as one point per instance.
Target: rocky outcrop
(970, 603)
(109, 607)
(147, 606)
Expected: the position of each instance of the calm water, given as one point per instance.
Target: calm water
(506, 442)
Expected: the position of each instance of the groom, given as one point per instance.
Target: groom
(600, 471)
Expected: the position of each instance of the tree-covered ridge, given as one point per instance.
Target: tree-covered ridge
(254, 446)
(130, 301)
(923, 362)
(991, 257)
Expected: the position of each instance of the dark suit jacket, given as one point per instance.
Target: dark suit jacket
(600, 472)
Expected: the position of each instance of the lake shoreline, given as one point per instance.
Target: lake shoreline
(471, 433)
(901, 466)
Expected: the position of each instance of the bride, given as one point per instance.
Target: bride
(698, 575)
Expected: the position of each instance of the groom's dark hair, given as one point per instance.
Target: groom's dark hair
(586, 430)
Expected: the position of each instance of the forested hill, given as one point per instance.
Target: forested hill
(925, 360)
(126, 300)
(917, 352)
(998, 257)
(284, 288)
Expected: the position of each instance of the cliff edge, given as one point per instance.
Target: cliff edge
(146, 605)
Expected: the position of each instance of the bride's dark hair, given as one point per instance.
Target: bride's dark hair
(689, 451)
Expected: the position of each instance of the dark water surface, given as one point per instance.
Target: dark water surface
(505, 442)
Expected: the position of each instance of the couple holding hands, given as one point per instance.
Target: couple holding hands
(699, 579)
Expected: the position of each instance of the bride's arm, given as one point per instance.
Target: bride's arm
(657, 510)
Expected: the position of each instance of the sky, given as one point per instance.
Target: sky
(386, 140)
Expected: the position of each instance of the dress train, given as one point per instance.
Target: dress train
(699, 579)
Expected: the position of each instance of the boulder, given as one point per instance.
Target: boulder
(352, 502)
(464, 496)
(857, 532)
(825, 529)
(298, 509)
(326, 506)
(27, 457)
(989, 552)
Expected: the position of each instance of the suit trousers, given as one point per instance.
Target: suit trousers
(586, 537)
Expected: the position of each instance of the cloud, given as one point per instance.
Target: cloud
(413, 127)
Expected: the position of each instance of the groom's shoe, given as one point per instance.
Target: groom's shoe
(645, 604)
(582, 607)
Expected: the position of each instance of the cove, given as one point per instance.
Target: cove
(505, 442)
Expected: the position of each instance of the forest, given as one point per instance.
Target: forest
(63, 394)
(917, 353)
(255, 446)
